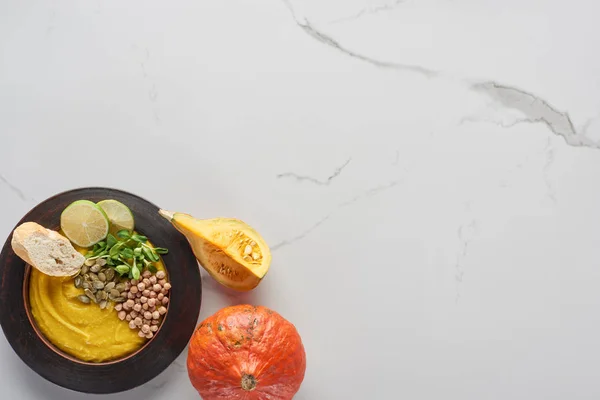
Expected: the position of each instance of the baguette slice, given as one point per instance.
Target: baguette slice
(46, 250)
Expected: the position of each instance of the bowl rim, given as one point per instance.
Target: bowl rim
(51, 363)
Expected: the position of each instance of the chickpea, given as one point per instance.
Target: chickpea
(128, 317)
(160, 275)
(141, 334)
(146, 282)
(145, 306)
(155, 322)
(149, 335)
(167, 286)
(155, 315)
(164, 291)
(124, 294)
(156, 288)
(134, 289)
(154, 328)
(146, 293)
(141, 286)
(138, 321)
(138, 295)
(143, 299)
(131, 295)
(153, 295)
(151, 302)
(165, 300)
(127, 285)
(119, 307)
(122, 315)
(145, 328)
(134, 282)
(137, 307)
(151, 309)
(148, 315)
(162, 310)
(129, 303)
(147, 321)
(160, 296)
(132, 325)
(162, 282)
(133, 314)
(146, 274)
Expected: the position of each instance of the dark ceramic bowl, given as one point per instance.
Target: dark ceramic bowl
(134, 369)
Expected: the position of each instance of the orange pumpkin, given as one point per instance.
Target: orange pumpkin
(246, 352)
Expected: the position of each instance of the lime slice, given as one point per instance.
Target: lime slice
(119, 215)
(84, 223)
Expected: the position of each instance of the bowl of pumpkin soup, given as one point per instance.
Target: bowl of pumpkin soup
(81, 331)
(113, 313)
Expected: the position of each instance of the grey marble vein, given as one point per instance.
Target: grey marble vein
(370, 11)
(551, 193)
(152, 90)
(396, 158)
(329, 41)
(318, 182)
(302, 235)
(365, 194)
(159, 385)
(13, 188)
(179, 365)
(464, 241)
(536, 110)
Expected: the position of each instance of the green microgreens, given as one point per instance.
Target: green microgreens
(128, 253)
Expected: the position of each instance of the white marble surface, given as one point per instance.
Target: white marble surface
(425, 170)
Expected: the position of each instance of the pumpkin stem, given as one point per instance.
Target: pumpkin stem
(248, 382)
(168, 215)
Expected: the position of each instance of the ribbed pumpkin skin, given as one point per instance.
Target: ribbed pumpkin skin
(246, 346)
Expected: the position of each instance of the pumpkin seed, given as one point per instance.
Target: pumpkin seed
(120, 299)
(84, 299)
(85, 285)
(95, 268)
(78, 282)
(110, 274)
(89, 294)
(109, 286)
(101, 296)
(113, 294)
(120, 287)
(93, 276)
(84, 270)
(98, 285)
(101, 277)
(103, 304)
(89, 263)
(101, 262)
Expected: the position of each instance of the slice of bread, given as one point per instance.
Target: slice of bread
(46, 250)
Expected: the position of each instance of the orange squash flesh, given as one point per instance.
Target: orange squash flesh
(230, 250)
